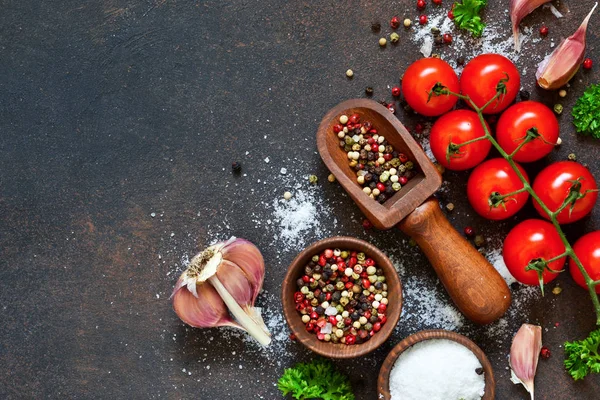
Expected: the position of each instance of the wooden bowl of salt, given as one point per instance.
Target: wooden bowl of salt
(428, 360)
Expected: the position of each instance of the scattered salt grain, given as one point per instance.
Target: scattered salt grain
(437, 369)
(267, 160)
(554, 11)
(283, 171)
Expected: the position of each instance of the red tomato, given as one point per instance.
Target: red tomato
(514, 124)
(458, 127)
(496, 176)
(587, 249)
(481, 76)
(553, 185)
(420, 77)
(532, 239)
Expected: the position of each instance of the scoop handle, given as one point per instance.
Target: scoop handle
(474, 285)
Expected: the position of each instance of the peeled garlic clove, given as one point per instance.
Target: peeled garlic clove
(524, 355)
(557, 69)
(219, 288)
(519, 9)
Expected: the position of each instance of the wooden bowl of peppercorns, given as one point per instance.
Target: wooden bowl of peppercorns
(341, 297)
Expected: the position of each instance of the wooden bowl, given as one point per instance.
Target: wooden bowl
(293, 318)
(383, 382)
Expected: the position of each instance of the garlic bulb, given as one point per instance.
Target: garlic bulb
(519, 9)
(557, 69)
(220, 286)
(524, 355)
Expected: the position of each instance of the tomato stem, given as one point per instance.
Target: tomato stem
(591, 284)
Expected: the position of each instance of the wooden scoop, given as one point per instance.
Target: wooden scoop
(474, 285)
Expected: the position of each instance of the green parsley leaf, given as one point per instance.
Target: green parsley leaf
(583, 356)
(586, 113)
(466, 15)
(315, 380)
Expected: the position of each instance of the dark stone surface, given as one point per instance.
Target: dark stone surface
(113, 110)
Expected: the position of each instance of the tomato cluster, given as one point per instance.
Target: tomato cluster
(526, 131)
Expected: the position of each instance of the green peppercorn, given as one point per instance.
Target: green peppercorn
(385, 175)
(313, 179)
(329, 288)
(558, 108)
(349, 140)
(360, 256)
(313, 285)
(479, 240)
(368, 326)
(314, 302)
(395, 162)
(394, 37)
(572, 157)
(409, 165)
(372, 278)
(344, 254)
(396, 186)
(381, 278)
(344, 301)
(310, 295)
(340, 324)
(339, 285)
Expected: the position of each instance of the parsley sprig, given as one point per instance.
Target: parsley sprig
(586, 113)
(583, 356)
(315, 380)
(466, 15)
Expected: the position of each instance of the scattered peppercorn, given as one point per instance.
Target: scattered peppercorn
(349, 73)
(524, 95)
(407, 22)
(392, 108)
(558, 141)
(394, 37)
(369, 91)
(287, 195)
(562, 93)
(395, 22)
(375, 26)
(588, 63)
(544, 31)
(460, 60)
(450, 206)
(469, 231)
(437, 2)
(479, 371)
(331, 178)
(382, 42)
(451, 14)
(423, 19)
(421, 4)
(447, 38)
(479, 240)
(313, 179)
(367, 224)
(558, 108)
(236, 166)
(557, 290)
(515, 285)
(545, 352)
(396, 91)
(572, 157)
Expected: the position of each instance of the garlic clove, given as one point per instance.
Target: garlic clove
(247, 256)
(557, 69)
(236, 282)
(204, 310)
(524, 355)
(519, 9)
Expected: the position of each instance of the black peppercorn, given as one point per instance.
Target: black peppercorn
(364, 306)
(320, 310)
(381, 198)
(460, 60)
(372, 185)
(373, 319)
(317, 269)
(336, 296)
(353, 303)
(300, 282)
(368, 177)
(322, 297)
(479, 371)
(236, 166)
(378, 285)
(375, 26)
(354, 316)
(524, 95)
(514, 285)
(438, 40)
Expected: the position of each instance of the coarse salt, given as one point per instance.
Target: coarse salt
(436, 369)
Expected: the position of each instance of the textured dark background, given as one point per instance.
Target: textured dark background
(112, 110)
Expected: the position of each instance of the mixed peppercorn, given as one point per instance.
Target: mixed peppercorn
(342, 297)
(380, 170)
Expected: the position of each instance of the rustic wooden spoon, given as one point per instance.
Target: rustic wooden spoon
(474, 285)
